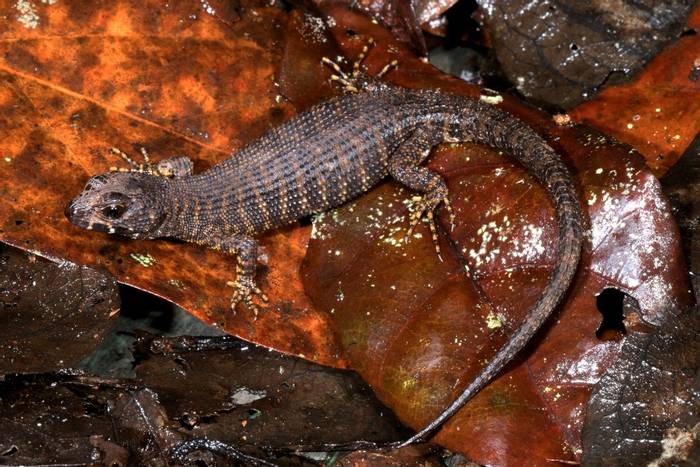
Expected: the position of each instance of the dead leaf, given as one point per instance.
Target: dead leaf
(682, 186)
(52, 419)
(658, 113)
(561, 54)
(646, 410)
(51, 315)
(245, 392)
(418, 455)
(179, 79)
(403, 18)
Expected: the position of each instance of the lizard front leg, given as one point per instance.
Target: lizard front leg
(404, 167)
(170, 167)
(174, 167)
(245, 249)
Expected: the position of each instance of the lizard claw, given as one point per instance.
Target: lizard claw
(244, 289)
(425, 206)
(355, 80)
(450, 212)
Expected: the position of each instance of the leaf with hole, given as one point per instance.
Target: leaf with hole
(419, 328)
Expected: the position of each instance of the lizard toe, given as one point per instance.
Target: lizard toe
(245, 289)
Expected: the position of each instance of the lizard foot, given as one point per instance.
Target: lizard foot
(425, 206)
(178, 166)
(244, 289)
(355, 80)
(340, 76)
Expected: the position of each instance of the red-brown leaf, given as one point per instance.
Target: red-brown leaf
(175, 79)
(419, 329)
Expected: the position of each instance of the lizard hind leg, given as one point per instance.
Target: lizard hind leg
(425, 206)
(404, 167)
(356, 80)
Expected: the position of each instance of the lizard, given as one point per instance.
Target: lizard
(318, 160)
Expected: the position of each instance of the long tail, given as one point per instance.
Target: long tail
(488, 125)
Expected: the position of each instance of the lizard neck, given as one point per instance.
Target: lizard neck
(196, 210)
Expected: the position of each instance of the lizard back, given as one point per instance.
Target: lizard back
(328, 155)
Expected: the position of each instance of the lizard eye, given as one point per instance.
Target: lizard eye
(114, 211)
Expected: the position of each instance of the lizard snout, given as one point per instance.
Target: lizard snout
(69, 212)
(73, 212)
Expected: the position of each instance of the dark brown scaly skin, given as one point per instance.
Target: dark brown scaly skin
(320, 159)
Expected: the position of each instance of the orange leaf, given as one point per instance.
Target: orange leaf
(175, 80)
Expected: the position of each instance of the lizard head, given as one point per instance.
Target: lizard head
(128, 204)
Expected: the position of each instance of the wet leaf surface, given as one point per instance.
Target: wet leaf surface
(646, 410)
(51, 315)
(560, 53)
(247, 394)
(140, 414)
(658, 112)
(263, 403)
(406, 19)
(63, 420)
(682, 185)
(423, 455)
(418, 329)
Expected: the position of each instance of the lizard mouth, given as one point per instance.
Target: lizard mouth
(82, 218)
(77, 215)
(72, 213)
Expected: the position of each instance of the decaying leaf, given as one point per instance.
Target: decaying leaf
(244, 392)
(66, 420)
(682, 185)
(51, 315)
(646, 410)
(561, 53)
(405, 18)
(241, 394)
(176, 80)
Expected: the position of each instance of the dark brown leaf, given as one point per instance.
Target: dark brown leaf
(51, 315)
(262, 398)
(419, 455)
(139, 415)
(404, 18)
(560, 53)
(408, 18)
(57, 419)
(682, 185)
(646, 410)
